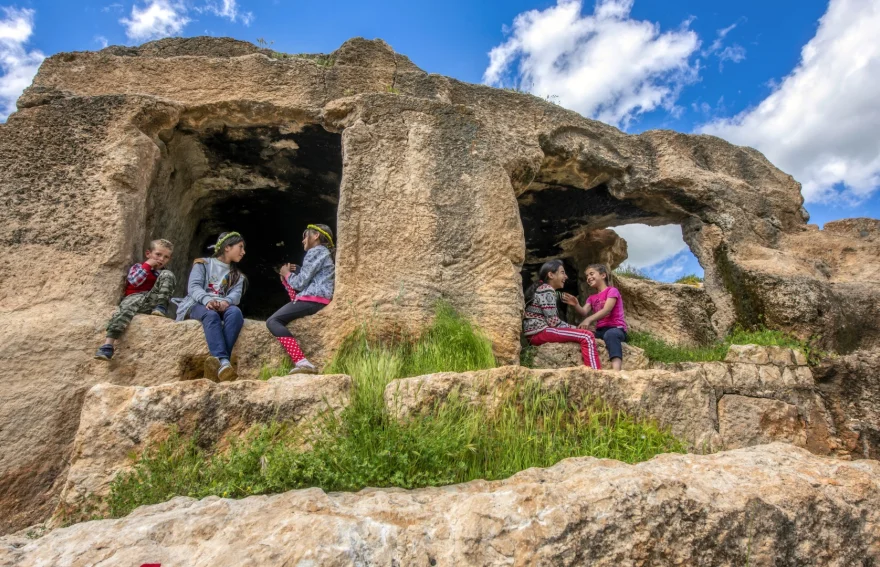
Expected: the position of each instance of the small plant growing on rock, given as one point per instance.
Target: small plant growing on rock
(629, 271)
(690, 279)
(365, 445)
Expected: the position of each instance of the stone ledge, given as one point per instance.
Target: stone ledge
(685, 400)
(768, 505)
(120, 421)
(568, 355)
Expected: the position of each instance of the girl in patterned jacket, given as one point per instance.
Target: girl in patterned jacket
(541, 322)
(310, 287)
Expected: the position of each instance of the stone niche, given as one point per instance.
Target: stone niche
(266, 182)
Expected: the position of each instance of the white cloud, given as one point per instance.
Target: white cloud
(229, 9)
(650, 245)
(102, 41)
(822, 121)
(734, 53)
(17, 64)
(605, 65)
(159, 18)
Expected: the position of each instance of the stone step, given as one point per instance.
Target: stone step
(118, 422)
(755, 506)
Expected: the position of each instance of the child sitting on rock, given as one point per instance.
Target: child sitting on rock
(310, 288)
(148, 289)
(541, 322)
(607, 309)
(215, 289)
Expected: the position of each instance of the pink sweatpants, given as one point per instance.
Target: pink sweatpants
(573, 335)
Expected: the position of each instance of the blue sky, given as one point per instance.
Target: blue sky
(735, 69)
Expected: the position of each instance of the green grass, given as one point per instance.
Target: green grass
(364, 446)
(659, 350)
(690, 279)
(282, 369)
(628, 271)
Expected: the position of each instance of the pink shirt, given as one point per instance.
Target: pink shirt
(613, 319)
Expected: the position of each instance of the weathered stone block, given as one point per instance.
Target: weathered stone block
(565, 355)
(118, 422)
(744, 421)
(752, 354)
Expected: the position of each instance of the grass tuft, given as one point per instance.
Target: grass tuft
(628, 271)
(365, 446)
(659, 350)
(690, 279)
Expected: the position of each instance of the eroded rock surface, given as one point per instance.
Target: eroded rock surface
(119, 422)
(676, 313)
(113, 148)
(754, 506)
(758, 396)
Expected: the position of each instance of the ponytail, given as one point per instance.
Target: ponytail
(546, 268)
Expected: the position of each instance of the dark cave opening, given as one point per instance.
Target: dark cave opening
(266, 182)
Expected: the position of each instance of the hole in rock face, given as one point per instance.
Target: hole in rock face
(573, 224)
(268, 183)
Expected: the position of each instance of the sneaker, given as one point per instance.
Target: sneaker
(160, 311)
(105, 352)
(226, 372)
(304, 367)
(212, 367)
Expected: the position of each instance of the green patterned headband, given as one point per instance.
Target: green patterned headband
(219, 246)
(322, 231)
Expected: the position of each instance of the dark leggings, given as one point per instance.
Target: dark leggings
(613, 337)
(277, 323)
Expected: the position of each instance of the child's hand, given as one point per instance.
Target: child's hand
(569, 299)
(586, 323)
(284, 271)
(213, 305)
(222, 306)
(153, 263)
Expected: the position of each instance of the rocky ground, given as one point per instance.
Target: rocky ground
(768, 505)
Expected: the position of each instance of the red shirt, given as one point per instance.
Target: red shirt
(141, 279)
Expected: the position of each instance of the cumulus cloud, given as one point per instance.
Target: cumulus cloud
(651, 245)
(157, 19)
(822, 122)
(17, 64)
(229, 9)
(605, 65)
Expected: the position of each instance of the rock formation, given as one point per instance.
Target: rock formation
(566, 355)
(120, 421)
(769, 505)
(436, 188)
(758, 395)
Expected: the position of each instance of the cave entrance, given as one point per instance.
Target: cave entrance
(266, 182)
(572, 224)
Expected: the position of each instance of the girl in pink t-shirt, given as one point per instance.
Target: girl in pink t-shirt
(607, 312)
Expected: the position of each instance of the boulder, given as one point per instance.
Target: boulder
(755, 506)
(119, 422)
(676, 313)
(565, 355)
(851, 387)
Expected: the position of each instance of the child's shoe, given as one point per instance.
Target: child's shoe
(304, 367)
(212, 367)
(105, 352)
(226, 372)
(160, 311)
